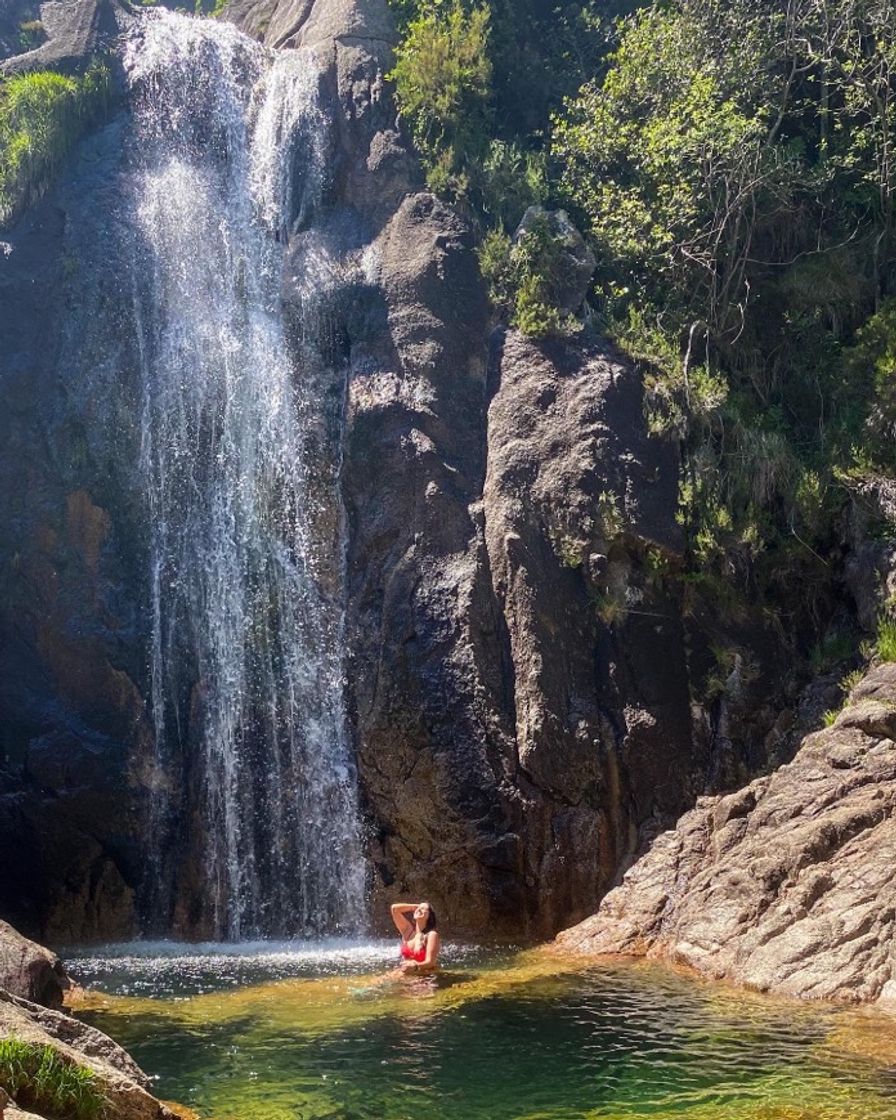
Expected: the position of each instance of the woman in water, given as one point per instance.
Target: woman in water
(419, 936)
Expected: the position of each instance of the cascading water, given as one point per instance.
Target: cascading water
(246, 658)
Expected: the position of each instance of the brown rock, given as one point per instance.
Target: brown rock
(787, 885)
(29, 970)
(118, 1076)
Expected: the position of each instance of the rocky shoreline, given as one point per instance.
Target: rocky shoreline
(786, 885)
(32, 985)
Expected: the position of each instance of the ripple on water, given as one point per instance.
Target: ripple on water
(524, 1037)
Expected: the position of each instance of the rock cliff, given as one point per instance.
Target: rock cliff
(786, 885)
(527, 691)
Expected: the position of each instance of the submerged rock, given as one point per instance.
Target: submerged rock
(787, 885)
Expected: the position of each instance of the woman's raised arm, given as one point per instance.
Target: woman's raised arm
(403, 924)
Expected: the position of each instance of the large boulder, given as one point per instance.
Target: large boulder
(73, 30)
(29, 970)
(575, 495)
(786, 885)
(117, 1076)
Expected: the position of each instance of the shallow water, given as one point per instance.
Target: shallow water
(313, 1031)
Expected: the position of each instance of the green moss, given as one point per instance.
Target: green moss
(38, 1077)
(42, 115)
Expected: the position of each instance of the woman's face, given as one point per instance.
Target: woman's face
(422, 911)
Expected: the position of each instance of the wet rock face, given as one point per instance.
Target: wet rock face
(786, 885)
(74, 726)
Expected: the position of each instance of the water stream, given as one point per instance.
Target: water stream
(244, 520)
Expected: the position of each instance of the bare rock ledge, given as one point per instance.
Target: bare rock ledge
(789, 884)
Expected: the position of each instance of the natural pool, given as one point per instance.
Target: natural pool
(312, 1032)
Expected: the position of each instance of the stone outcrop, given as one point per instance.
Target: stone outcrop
(73, 30)
(786, 885)
(29, 970)
(575, 494)
(117, 1076)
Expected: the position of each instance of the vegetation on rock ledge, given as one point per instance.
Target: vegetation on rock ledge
(42, 115)
(732, 166)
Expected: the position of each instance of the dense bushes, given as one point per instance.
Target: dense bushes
(734, 170)
(442, 78)
(42, 114)
(733, 166)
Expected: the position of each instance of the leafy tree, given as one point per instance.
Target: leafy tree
(734, 168)
(442, 78)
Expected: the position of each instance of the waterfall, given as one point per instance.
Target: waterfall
(245, 578)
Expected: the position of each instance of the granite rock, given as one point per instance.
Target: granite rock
(786, 885)
(29, 970)
(117, 1076)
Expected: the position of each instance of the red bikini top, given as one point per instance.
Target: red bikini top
(409, 955)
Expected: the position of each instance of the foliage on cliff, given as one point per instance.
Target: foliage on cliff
(735, 170)
(733, 166)
(42, 115)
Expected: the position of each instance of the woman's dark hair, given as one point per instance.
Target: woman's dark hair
(432, 922)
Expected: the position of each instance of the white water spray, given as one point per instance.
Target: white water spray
(246, 615)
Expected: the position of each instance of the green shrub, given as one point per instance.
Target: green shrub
(31, 34)
(42, 115)
(526, 276)
(511, 180)
(38, 1077)
(496, 266)
(871, 366)
(442, 77)
(851, 680)
(532, 313)
(835, 647)
(829, 717)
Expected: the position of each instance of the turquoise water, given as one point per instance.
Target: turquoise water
(315, 1031)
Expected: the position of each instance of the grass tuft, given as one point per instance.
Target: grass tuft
(885, 646)
(42, 116)
(38, 1077)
